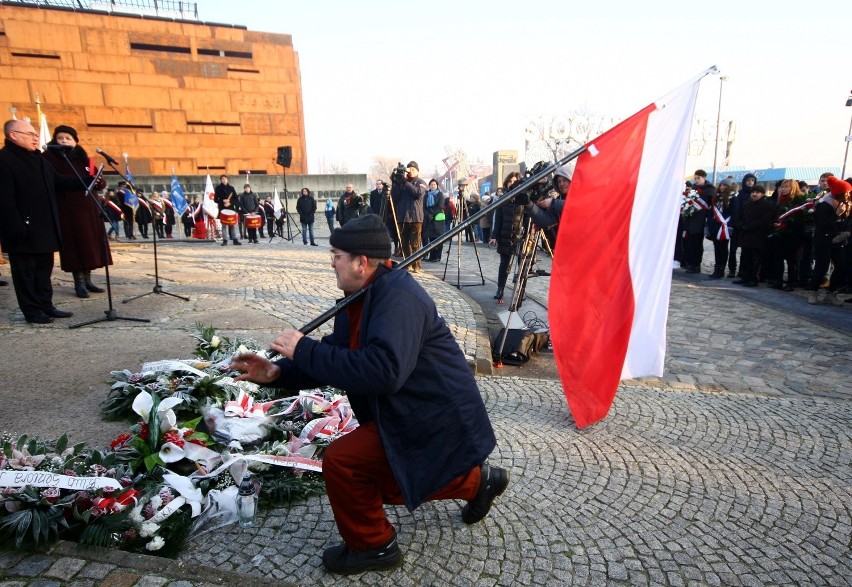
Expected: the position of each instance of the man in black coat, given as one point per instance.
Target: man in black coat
(423, 430)
(29, 223)
(693, 225)
(409, 195)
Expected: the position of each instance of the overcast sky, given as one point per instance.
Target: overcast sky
(410, 79)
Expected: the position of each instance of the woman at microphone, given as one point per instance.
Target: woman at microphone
(80, 224)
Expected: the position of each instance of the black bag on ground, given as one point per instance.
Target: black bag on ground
(520, 345)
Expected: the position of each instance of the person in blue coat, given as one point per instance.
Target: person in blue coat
(423, 433)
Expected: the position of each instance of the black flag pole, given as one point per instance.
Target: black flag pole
(423, 251)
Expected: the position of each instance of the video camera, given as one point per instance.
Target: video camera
(399, 174)
(537, 190)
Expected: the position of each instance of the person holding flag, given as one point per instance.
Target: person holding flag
(177, 200)
(211, 209)
(129, 203)
(169, 215)
(269, 211)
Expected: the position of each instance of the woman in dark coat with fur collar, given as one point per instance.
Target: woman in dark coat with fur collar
(82, 227)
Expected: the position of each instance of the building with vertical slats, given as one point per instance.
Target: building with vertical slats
(149, 79)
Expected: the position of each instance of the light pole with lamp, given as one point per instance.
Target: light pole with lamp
(848, 139)
(722, 80)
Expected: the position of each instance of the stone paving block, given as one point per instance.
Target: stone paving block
(95, 571)
(65, 568)
(31, 566)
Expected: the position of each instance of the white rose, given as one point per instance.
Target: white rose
(215, 342)
(156, 544)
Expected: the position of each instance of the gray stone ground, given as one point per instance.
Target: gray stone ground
(731, 469)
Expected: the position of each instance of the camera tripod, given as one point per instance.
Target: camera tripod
(388, 201)
(462, 214)
(287, 218)
(527, 250)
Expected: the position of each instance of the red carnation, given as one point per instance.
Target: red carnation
(174, 437)
(120, 440)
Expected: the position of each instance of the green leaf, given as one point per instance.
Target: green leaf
(21, 441)
(62, 443)
(79, 447)
(152, 460)
(192, 423)
(36, 525)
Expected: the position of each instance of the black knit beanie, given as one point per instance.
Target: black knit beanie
(365, 235)
(67, 130)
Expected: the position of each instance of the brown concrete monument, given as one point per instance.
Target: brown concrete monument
(170, 91)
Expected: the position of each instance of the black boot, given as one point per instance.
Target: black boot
(80, 284)
(91, 286)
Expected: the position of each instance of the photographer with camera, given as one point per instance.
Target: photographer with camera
(545, 209)
(408, 193)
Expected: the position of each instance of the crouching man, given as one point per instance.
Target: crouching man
(423, 430)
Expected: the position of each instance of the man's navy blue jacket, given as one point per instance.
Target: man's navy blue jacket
(408, 375)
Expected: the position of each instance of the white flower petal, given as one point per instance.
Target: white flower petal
(169, 403)
(142, 404)
(171, 453)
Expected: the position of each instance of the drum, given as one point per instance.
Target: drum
(253, 221)
(228, 217)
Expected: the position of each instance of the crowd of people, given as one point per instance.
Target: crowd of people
(789, 238)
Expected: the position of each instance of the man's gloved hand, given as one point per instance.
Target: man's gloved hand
(522, 199)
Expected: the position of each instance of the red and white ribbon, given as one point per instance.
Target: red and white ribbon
(806, 206)
(724, 232)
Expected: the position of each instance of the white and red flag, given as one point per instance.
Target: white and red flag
(210, 206)
(611, 276)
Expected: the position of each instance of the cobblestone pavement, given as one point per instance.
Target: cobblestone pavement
(732, 469)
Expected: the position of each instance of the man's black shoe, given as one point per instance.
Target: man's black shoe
(225, 244)
(57, 313)
(739, 282)
(40, 318)
(493, 482)
(342, 560)
(237, 243)
(3, 282)
(750, 284)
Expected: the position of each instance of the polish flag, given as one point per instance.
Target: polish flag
(210, 206)
(611, 276)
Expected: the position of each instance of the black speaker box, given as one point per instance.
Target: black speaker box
(285, 156)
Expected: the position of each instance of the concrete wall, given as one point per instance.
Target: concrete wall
(172, 94)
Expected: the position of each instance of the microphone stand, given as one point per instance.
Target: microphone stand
(110, 313)
(158, 289)
(423, 251)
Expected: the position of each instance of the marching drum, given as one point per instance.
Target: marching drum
(228, 217)
(253, 221)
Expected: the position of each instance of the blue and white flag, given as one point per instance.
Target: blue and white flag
(178, 197)
(130, 198)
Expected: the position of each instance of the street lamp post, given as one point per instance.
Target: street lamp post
(722, 80)
(848, 139)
